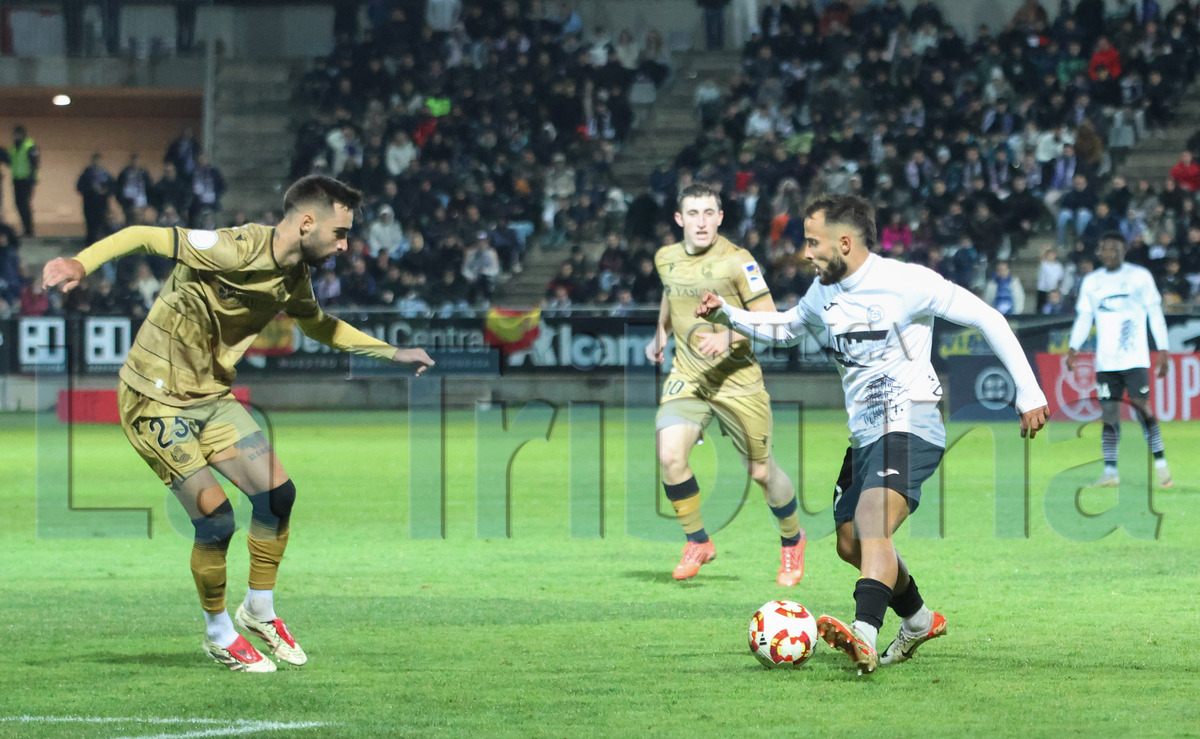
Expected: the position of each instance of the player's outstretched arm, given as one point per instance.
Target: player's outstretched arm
(66, 272)
(416, 357)
(63, 272)
(769, 327)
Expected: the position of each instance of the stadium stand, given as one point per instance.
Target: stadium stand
(495, 146)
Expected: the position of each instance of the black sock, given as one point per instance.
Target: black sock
(907, 603)
(871, 599)
(699, 537)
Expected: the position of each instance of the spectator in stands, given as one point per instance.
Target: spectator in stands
(1186, 172)
(508, 245)
(564, 278)
(1103, 221)
(448, 296)
(559, 181)
(34, 300)
(10, 265)
(146, 284)
(558, 303)
(132, 189)
(1077, 207)
(418, 260)
(182, 153)
(1105, 56)
(328, 288)
(171, 191)
(896, 238)
(401, 152)
(208, 187)
(95, 187)
(1075, 272)
(714, 23)
(385, 234)
(1030, 15)
(1004, 292)
(411, 304)
(646, 285)
(654, 60)
(1054, 305)
(1174, 286)
(1133, 226)
(480, 269)
(1172, 196)
(358, 286)
(1049, 276)
(1020, 213)
(1159, 100)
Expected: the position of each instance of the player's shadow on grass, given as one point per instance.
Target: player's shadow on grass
(180, 659)
(658, 576)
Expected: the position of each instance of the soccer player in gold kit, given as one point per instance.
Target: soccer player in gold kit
(175, 395)
(715, 373)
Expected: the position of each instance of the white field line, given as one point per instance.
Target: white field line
(221, 727)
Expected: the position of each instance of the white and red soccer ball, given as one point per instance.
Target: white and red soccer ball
(782, 634)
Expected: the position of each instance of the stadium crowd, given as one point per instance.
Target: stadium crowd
(474, 130)
(969, 148)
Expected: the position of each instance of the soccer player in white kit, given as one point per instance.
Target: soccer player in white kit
(876, 316)
(1119, 299)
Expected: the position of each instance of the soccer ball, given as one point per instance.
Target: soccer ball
(782, 634)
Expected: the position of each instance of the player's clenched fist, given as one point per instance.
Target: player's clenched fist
(62, 271)
(709, 304)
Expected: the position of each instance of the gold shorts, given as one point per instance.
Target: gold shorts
(745, 419)
(177, 442)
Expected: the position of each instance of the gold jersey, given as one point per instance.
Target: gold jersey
(225, 288)
(731, 272)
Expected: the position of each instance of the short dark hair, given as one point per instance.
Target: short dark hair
(698, 190)
(847, 210)
(1113, 236)
(322, 190)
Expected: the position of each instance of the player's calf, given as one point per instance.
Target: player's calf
(212, 535)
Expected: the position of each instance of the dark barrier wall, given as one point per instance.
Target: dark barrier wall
(490, 345)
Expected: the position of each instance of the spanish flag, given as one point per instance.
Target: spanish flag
(512, 330)
(275, 339)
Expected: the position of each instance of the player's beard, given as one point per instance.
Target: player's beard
(310, 256)
(834, 271)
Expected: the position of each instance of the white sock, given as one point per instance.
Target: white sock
(1160, 463)
(1110, 469)
(920, 622)
(219, 628)
(260, 603)
(866, 631)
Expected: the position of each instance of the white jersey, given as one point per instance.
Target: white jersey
(1119, 302)
(878, 322)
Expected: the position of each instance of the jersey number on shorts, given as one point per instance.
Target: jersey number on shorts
(1102, 391)
(168, 436)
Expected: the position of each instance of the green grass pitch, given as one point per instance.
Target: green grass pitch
(541, 634)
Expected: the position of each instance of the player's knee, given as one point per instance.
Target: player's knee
(760, 472)
(274, 507)
(282, 499)
(216, 527)
(673, 462)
